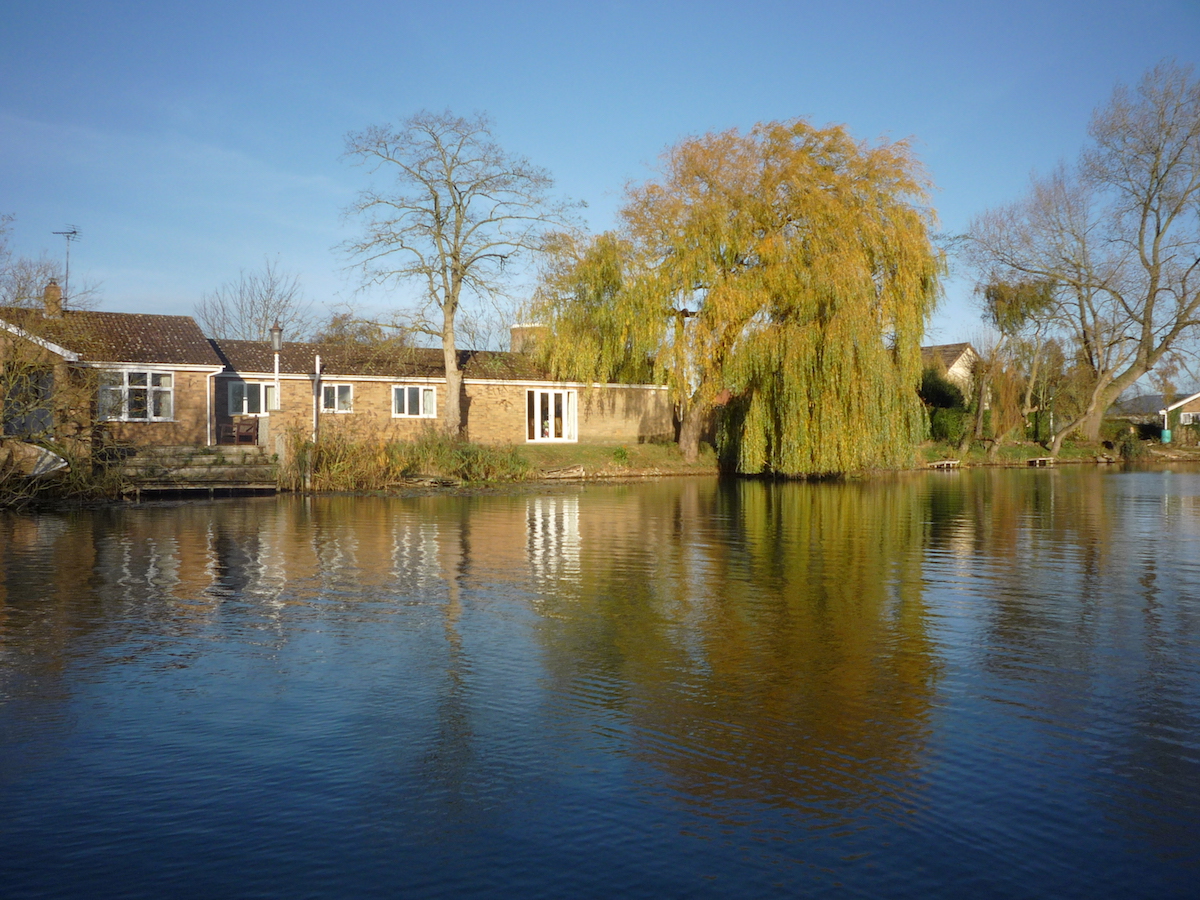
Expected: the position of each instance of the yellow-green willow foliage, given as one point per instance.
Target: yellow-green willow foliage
(598, 335)
(792, 267)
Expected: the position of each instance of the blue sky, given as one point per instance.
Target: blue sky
(189, 141)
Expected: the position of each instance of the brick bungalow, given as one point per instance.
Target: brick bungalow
(152, 380)
(123, 378)
(506, 400)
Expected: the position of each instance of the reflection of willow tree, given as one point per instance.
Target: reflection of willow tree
(779, 651)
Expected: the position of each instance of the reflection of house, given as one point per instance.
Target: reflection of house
(552, 529)
(156, 380)
(955, 361)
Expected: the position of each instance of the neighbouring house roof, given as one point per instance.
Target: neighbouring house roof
(945, 355)
(118, 337)
(421, 362)
(1139, 405)
(1178, 403)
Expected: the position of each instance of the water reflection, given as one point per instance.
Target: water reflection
(840, 668)
(552, 538)
(761, 645)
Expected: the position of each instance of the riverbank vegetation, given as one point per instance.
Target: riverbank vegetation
(1096, 265)
(85, 479)
(342, 463)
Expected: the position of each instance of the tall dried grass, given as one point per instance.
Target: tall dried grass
(347, 461)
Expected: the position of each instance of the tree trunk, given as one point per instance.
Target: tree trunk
(1056, 442)
(453, 414)
(689, 431)
(1089, 423)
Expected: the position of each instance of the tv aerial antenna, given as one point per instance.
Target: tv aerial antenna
(71, 235)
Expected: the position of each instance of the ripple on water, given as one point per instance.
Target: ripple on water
(983, 685)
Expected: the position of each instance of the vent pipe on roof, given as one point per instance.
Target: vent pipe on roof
(52, 299)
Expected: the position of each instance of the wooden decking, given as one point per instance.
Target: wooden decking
(942, 464)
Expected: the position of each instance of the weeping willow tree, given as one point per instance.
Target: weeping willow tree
(790, 268)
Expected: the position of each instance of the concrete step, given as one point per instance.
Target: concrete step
(202, 473)
(197, 468)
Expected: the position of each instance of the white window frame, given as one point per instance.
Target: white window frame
(128, 389)
(1188, 418)
(551, 415)
(402, 396)
(266, 397)
(343, 397)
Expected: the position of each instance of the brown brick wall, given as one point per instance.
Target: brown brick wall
(191, 417)
(625, 414)
(371, 418)
(495, 414)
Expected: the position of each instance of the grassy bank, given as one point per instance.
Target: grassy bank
(624, 460)
(1015, 454)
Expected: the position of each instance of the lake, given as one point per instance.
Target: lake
(961, 684)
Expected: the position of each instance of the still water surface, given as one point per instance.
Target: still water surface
(980, 684)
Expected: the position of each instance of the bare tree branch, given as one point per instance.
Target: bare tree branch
(246, 309)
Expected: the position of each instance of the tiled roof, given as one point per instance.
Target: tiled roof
(1140, 405)
(948, 354)
(299, 358)
(142, 338)
(119, 337)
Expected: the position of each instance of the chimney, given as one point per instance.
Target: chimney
(523, 338)
(52, 299)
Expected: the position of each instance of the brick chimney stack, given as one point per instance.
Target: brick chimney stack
(523, 338)
(52, 299)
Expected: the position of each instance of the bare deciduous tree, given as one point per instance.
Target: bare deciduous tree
(452, 212)
(1119, 237)
(245, 309)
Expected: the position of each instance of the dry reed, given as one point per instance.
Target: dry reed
(345, 461)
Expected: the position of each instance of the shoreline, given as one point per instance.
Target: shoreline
(572, 476)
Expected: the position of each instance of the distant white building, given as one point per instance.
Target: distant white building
(955, 361)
